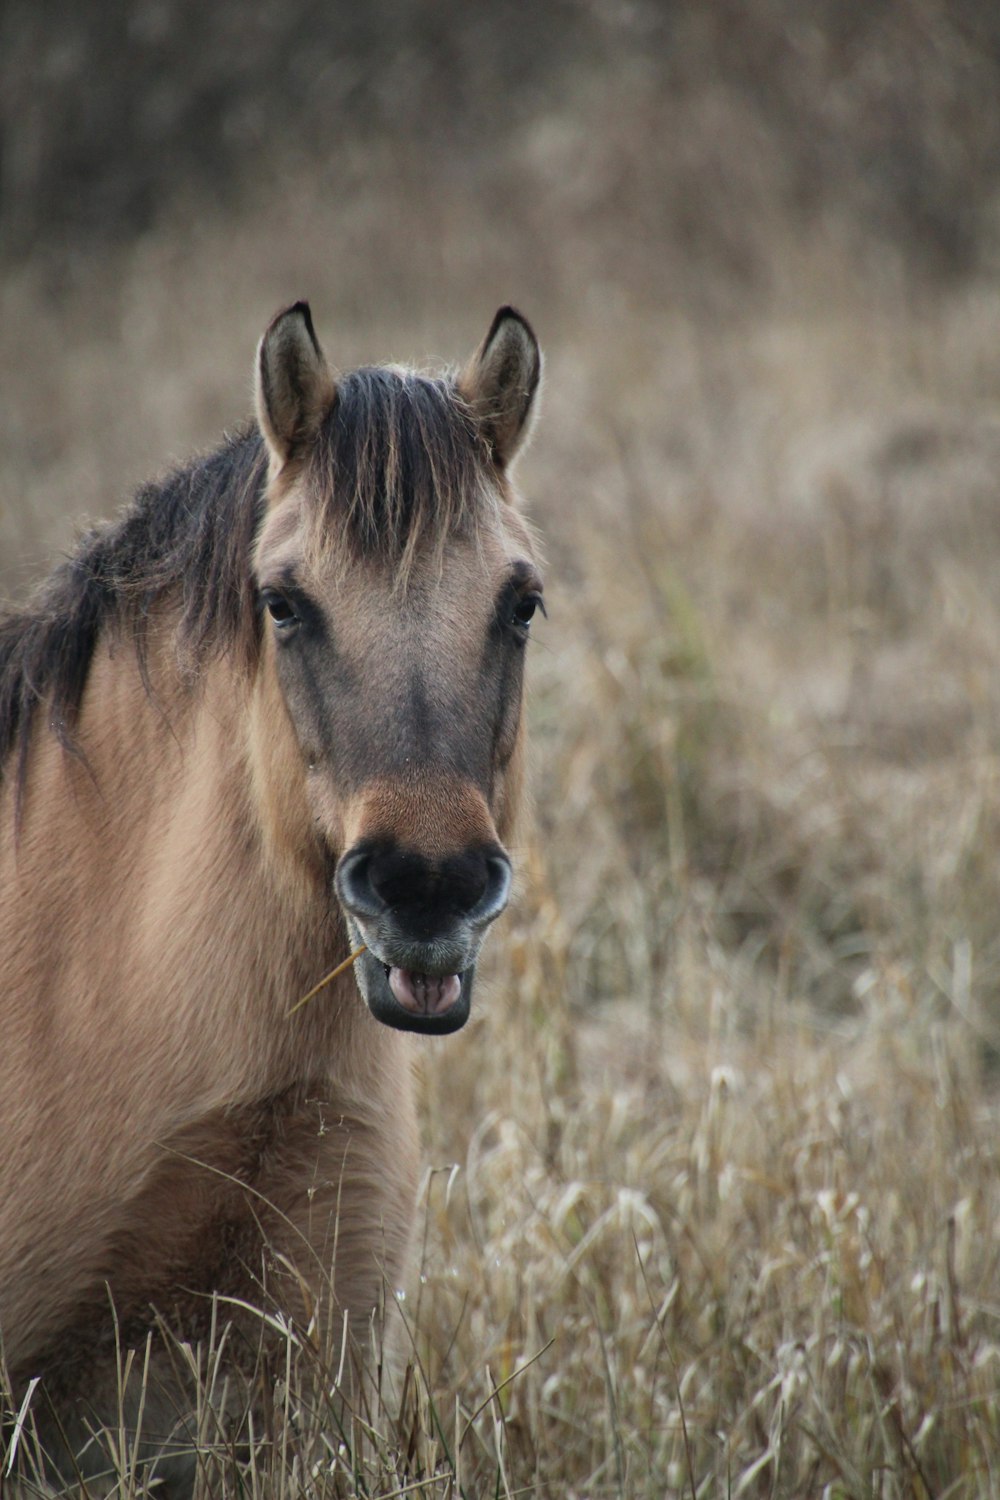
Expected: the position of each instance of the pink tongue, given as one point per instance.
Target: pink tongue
(427, 994)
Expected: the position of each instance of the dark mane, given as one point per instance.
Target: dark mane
(398, 458)
(186, 537)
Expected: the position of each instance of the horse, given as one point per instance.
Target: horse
(269, 716)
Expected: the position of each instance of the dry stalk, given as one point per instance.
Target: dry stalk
(340, 969)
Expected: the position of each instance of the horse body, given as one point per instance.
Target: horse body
(180, 848)
(153, 1019)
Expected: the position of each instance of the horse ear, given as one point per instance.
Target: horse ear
(500, 382)
(294, 383)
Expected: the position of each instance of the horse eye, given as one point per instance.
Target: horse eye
(279, 609)
(524, 610)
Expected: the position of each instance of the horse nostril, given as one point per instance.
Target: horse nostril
(354, 885)
(496, 894)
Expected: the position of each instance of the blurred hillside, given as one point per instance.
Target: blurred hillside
(692, 125)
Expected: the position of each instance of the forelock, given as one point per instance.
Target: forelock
(399, 466)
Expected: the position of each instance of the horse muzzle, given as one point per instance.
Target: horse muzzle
(422, 922)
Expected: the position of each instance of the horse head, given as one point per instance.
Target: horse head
(398, 582)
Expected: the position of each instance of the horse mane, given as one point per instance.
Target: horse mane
(398, 458)
(399, 461)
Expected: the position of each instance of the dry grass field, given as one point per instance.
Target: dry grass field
(712, 1201)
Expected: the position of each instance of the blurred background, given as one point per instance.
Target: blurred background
(760, 243)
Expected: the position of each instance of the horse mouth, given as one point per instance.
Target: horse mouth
(424, 994)
(409, 1000)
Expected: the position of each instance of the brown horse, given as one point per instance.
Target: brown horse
(270, 713)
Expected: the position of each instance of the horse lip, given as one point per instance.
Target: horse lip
(438, 958)
(373, 981)
(372, 975)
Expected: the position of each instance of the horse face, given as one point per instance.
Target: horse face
(398, 592)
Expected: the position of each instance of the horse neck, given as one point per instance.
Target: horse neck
(149, 880)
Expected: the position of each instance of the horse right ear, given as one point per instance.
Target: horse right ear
(294, 385)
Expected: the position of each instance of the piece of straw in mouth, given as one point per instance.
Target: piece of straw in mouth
(332, 975)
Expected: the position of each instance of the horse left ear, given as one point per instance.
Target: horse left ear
(294, 385)
(500, 382)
